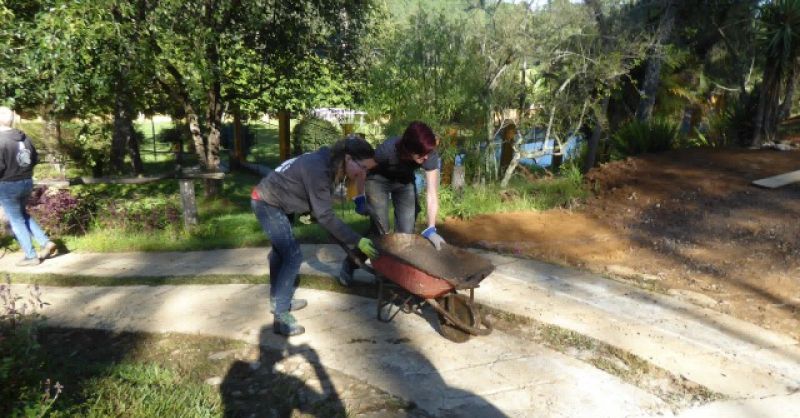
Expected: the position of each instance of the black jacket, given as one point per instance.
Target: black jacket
(394, 169)
(17, 156)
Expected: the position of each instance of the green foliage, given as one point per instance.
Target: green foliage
(426, 70)
(637, 137)
(559, 192)
(730, 124)
(144, 214)
(172, 135)
(312, 133)
(88, 144)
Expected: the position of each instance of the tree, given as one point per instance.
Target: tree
(79, 60)
(655, 60)
(780, 41)
(584, 52)
(209, 53)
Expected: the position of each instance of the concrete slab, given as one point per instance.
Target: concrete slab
(786, 406)
(778, 181)
(726, 355)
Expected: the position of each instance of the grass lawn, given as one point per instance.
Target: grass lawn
(131, 374)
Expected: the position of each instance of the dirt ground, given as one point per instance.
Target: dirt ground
(686, 222)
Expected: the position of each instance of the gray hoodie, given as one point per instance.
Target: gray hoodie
(304, 184)
(17, 156)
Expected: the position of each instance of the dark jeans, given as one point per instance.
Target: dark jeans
(13, 196)
(380, 191)
(285, 257)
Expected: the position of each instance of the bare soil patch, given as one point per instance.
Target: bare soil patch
(686, 222)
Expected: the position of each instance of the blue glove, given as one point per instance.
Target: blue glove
(433, 237)
(361, 204)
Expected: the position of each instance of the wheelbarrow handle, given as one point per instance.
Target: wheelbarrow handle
(353, 256)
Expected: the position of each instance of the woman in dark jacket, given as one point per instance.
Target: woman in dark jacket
(17, 159)
(301, 185)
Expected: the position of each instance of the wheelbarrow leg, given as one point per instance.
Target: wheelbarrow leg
(387, 296)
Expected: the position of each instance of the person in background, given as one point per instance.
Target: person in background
(17, 159)
(301, 185)
(392, 180)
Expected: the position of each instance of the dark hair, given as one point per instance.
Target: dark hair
(354, 145)
(417, 139)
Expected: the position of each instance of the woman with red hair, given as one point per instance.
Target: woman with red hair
(392, 180)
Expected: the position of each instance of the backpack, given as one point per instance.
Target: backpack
(24, 158)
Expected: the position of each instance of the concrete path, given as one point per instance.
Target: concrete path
(757, 368)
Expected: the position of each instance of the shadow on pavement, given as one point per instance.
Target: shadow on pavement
(268, 388)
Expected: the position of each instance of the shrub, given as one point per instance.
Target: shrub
(178, 134)
(643, 137)
(89, 145)
(21, 358)
(226, 137)
(59, 212)
(312, 133)
(140, 215)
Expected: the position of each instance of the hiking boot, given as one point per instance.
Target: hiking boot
(296, 305)
(346, 274)
(48, 250)
(28, 262)
(285, 324)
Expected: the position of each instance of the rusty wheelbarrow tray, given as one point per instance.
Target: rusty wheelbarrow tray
(411, 273)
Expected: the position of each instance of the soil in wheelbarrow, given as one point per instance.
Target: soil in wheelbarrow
(459, 267)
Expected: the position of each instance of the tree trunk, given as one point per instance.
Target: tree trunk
(652, 76)
(516, 147)
(133, 150)
(785, 109)
(507, 150)
(237, 151)
(593, 144)
(121, 134)
(762, 126)
(214, 118)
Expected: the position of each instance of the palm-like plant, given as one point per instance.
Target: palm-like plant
(780, 40)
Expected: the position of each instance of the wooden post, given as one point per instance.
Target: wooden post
(459, 178)
(347, 128)
(189, 203)
(283, 134)
(507, 150)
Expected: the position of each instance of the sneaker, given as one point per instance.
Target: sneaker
(28, 262)
(296, 305)
(285, 324)
(345, 274)
(48, 250)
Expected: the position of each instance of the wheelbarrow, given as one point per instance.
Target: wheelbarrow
(411, 273)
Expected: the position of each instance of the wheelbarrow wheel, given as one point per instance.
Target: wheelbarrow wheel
(458, 307)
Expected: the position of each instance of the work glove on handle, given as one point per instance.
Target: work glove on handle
(367, 247)
(433, 237)
(361, 204)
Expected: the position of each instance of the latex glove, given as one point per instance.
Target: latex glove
(367, 247)
(361, 204)
(433, 237)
